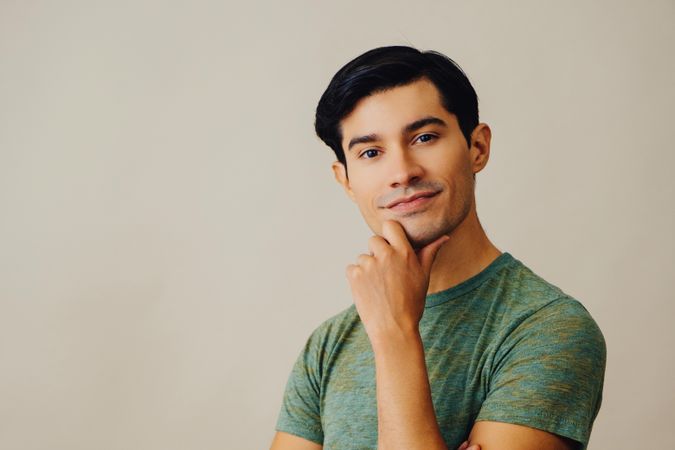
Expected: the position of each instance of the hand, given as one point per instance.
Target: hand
(465, 446)
(389, 286)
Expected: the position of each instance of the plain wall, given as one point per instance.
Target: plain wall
(171, 232)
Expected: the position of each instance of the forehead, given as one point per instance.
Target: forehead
(385, 112)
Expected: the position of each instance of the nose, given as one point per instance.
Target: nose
(405, 170)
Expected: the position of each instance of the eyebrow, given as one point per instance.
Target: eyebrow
(416, 125)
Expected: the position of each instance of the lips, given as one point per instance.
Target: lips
(411, 198)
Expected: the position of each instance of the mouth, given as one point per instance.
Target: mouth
(412, 203)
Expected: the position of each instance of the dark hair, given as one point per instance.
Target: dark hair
(383, 68)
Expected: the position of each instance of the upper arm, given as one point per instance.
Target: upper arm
(286, 441)
(507, 436)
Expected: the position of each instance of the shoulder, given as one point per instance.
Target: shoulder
(528, 312)
(525, 297)
(563, 325)
(331, 333)
(337, 324)
(525, 291)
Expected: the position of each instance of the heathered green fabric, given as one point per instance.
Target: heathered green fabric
(504, 345)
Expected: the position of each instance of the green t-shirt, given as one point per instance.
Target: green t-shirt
(504, 345)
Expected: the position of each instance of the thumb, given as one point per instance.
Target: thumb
(427, 254)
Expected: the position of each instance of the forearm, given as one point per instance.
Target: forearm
(406, 417)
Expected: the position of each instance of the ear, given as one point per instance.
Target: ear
(341, 177)
(480, 147)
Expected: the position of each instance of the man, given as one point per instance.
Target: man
(450, 341)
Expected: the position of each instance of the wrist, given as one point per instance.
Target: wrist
(395, 339)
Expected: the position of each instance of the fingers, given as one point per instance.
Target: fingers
(394, 233)
(428, 253)
(465, 446)
(378, 245)
(364, 260)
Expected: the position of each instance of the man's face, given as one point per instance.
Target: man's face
(392, 154)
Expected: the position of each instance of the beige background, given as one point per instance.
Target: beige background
(171, 231)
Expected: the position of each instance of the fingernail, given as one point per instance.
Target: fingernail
(463, 446)
(473, 447)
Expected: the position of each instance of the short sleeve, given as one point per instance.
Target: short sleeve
(300, 411)
(548, 373)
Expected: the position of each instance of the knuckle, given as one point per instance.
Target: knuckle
(375, 241)
(365, 260)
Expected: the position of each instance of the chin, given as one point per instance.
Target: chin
(418, 244)
(420, 237)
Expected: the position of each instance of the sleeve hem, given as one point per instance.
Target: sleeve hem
(545, 422)
(302, 431)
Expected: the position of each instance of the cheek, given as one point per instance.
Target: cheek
(365, 193)
(367, 204)
(455, 171)
(368, 207)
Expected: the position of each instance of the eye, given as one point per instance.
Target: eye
(430, 137)
(369, 152)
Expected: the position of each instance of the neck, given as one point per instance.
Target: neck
(465, 254)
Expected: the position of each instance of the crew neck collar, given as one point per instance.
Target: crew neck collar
(470, 283)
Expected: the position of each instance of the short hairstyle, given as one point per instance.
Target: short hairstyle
(384, 68)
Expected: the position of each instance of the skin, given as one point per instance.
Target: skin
(413, 254)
